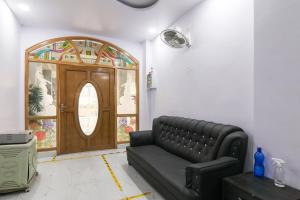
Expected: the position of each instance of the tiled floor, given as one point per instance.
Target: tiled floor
(85, 176)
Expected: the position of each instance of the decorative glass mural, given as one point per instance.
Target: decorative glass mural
(42, 89)
(45, 131)
(88, 50)
(88, 109)
(125, 125)
(62, 50)
(126, 91)
(114, 57)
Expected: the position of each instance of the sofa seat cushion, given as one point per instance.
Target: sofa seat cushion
(168, 169)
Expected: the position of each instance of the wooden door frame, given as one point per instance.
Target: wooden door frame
(91, 68)
(28, 60)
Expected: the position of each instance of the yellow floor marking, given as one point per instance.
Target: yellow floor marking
(54, 159)
(64, 159)
(137, 196)
(112, 173)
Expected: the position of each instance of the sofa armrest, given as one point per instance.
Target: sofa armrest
(206, 178)
(140, 138)
(234, 145)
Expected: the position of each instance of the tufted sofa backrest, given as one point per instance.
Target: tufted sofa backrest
(193, 140)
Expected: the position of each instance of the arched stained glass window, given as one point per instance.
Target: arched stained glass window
(82, 50)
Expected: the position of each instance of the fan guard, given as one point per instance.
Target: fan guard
(175, 38)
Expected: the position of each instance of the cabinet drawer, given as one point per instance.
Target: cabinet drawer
(231, 192)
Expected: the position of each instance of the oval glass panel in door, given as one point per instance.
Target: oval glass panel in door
(88, 109)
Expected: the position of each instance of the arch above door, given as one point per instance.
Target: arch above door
(42, 102)
(77, 49)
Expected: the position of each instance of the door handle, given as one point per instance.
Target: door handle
(62, 107)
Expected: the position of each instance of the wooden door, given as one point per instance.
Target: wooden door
(75, 135)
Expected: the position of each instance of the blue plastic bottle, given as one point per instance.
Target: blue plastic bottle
(259, 169)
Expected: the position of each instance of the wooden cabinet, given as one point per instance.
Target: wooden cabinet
(247, 187)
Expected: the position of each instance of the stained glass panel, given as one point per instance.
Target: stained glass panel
(114, 57)
(88, 50)
(42, 89)
(45, 131)
(104, 60)
(55, 51)
(125, 125)
(126, 91)
(70, 56)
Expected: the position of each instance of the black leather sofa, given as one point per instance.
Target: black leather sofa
(186, 159)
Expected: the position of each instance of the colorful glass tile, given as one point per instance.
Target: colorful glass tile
(45, 132)
(88, 50)
(55, 51)
(125, 125)
(70, 56)
(114, 57)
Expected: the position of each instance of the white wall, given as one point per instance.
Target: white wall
(146, 95)
(9, 69)
(31, 36)
(213, 80)
(277, 80)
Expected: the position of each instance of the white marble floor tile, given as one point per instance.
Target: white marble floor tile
(84, 176)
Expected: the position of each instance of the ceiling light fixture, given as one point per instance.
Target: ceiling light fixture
(24, 7)
(139, 3)
(152, 30)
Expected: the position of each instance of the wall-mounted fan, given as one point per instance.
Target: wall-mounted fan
(139, 3)
(175, 38)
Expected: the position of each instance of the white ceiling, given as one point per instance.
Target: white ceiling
(105, 17)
